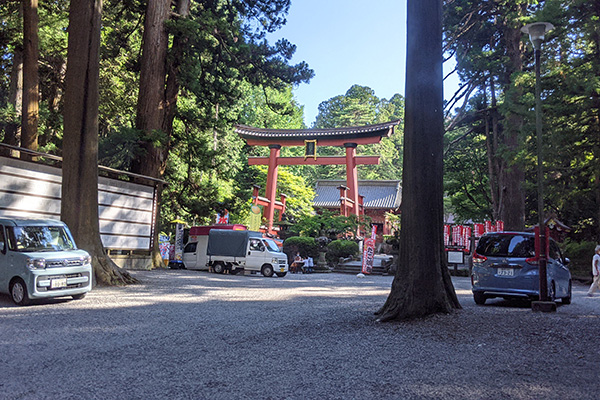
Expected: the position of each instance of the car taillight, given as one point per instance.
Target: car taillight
(477, 258)
(532, 260)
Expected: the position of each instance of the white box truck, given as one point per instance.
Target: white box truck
(235, 251)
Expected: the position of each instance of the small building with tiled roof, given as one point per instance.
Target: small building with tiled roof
(379, 198)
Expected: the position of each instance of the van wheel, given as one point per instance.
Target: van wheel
(219, 268)
(567, 300)
(267, 270)
(281, 274)
(78, 296)
(18, 292)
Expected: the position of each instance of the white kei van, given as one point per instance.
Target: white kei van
(39, 259)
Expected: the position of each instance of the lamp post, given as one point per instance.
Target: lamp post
(536, 33)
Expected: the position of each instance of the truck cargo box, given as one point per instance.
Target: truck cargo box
(229, 243)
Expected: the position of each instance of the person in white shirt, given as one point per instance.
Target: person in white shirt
(596, 272)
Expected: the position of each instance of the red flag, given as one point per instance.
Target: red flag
(369, 252)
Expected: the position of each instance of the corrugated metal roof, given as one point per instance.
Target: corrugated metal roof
(377, 194)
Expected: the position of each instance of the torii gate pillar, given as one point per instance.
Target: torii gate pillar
(352, 175)
(272, 182)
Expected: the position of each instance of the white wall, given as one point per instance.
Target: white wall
(33, 190)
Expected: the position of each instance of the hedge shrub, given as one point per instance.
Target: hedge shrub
(307, 246)
(341, 248)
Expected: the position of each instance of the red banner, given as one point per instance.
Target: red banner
(447, 231)
(467, 238)
(369, 252)
(499, 226)
(479, 230)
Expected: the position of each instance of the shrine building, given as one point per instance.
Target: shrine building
(378, 199)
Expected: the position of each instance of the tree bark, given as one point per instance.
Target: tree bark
(512, 175)
(31, 97)
(152, 103)
(422, 283)
(159, 89)
(80, 149)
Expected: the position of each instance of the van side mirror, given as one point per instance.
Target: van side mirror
(3, 247)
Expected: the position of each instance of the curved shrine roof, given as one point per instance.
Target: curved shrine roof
(349, 133)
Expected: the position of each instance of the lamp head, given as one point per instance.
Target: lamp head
(536, 32)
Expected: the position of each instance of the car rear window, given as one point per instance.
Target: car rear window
(506, 246)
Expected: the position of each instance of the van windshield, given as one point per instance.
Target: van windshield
(506, 245)
(271, 245)
(39, 238)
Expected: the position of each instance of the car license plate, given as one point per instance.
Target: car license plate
(58, 283)
(506, 272)
(282, 269)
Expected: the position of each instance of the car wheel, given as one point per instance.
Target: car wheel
(18, 292)
(281, 274)
(267, 270)
(552, 292)
(567, 300)
(78, 296)
(219, 268)
(479, 298)
(234, 271)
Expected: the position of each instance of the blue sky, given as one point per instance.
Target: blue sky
(348, 42)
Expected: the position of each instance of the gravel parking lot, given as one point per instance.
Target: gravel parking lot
(194, 335)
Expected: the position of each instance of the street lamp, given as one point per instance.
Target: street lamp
(536, 32)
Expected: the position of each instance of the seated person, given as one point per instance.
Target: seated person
(308, 264)
(297, 264)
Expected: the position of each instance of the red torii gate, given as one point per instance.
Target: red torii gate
(349, 138)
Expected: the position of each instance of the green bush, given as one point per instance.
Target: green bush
(580, 254)
(341, 248)
(306, 246)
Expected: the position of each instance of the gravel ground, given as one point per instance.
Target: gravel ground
(194, 335)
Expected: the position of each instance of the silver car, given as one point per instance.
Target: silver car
(39, 259)
(505, 265)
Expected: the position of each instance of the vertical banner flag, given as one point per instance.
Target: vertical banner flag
(488, 227)
(255, 218)
(447, 231)
(369, 252)
(479, 230)
(179, 242)
(499, 226)
(163, 246)
(467, 239)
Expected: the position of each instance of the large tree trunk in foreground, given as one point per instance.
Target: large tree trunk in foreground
(80, 149)
(31, 96)
(512, 174)
(159, 88)
(422, 283)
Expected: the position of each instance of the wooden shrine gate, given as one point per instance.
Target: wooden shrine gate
(349, 138)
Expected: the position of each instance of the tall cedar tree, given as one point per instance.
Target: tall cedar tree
(31, 97)
(422, 283)
(79, 207)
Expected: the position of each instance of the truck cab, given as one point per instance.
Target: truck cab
(39, 259)
(264, 253)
